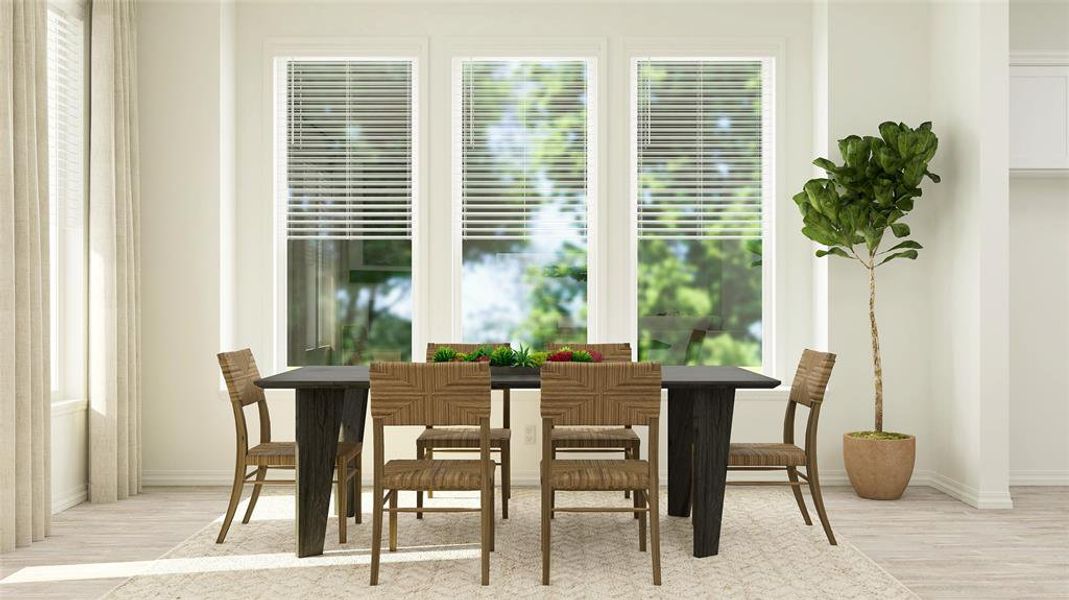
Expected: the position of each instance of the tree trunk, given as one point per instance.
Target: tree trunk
(877, 366)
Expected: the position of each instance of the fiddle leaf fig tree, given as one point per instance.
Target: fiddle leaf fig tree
(865, 200)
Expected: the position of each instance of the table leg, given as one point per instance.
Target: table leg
(353, 417)
(318, 415)
(712, 441)
(680, 441)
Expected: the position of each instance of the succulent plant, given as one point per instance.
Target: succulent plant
(523, 357)
(477, 354)
(503, 356)
(538, 358)
(582, 356)
(460, 357)
(563, 355)
(444, 354)
(596, 356)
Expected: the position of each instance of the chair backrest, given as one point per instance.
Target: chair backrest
(240, 373)
(616, 393)
(613, 352)
(430, 393)
(810, 384)
(459, 347)
(811, 377)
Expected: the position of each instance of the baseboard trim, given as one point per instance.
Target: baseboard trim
(969, 495)
(946, 485)
(1047, 477)
(69, 499)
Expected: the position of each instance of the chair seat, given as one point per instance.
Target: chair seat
(461, 437)
(766, 455)
(433, 475)
(594, 475)
(284, 454)
(594, 437)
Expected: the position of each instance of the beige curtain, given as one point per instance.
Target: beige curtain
(114, 256)
(25, 386)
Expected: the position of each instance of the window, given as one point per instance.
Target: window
(522, 137)
(701, 147)
(66, 200)
(347, 153)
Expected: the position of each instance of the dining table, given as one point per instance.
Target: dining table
(333, 401)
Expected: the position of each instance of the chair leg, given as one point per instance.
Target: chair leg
(343, 501)
(792, 475)
(358, 494)
(393, 521)
(376, 533)
(655, 532)
(552, 498)
(261, 473)
(429, 454)
(640, 502)
(420, 454)
(486, 526)
(235, 497)
(627, 456)
(506, 479)
(547, 499)
(818, 500)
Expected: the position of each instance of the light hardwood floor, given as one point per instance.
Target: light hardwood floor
(937, 546)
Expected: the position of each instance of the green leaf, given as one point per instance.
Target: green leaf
(910, 254)
(826, 164)
(906, 244)
(837, 251)
(900, 229)
(935, 178)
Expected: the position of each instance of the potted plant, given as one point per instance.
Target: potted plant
(850, 211)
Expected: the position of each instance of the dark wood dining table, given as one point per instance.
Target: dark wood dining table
(701, 401)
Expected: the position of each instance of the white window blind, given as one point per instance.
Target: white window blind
(66, 198)
(348, 148)
(701, 148)
(524, 148)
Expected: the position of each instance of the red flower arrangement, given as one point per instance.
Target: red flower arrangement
(561, 356)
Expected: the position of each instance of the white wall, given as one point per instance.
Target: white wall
(1039, 287)
(867, 85)
(969, 336)
(186, 115)
(184, 418)
(70, 444)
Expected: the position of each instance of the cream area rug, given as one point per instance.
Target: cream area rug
(766, 551)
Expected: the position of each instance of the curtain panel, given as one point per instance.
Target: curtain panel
(25, 383)
(114, 256)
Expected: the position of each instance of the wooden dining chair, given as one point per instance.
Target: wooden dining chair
(465, 440)
(598, 439)
(240, 372)
(602, 394)
(808, 388)
(431, 394)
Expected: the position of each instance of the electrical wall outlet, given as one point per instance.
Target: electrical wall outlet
(530, 435)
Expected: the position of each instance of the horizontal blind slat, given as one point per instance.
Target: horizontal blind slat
(524, 149)
(700, 149)
(349, 148)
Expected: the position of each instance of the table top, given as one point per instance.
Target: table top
(672, 377)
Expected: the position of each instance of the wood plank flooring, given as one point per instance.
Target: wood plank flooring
(934, 544)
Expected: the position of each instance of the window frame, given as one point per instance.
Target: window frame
(593, 52)
(280, 51)
(770, 53)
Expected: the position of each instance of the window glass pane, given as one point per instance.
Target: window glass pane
(348, 148)
(701, 181)
(66, 200)
(523, 136)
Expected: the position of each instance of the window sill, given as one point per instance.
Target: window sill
(67, 407)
